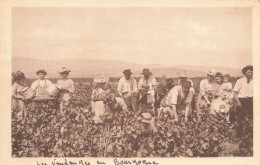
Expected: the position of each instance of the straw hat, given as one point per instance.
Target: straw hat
(64, 70)
(146, 71)
(127, 72)
(211, 72)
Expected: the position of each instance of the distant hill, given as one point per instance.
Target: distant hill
(82, 68)
(224, 70)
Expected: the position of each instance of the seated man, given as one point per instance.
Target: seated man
(178, 99)
(149, 80)
(126, 84)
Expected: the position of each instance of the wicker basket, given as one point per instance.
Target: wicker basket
(27, 93)
(43, 98)
(53, 90)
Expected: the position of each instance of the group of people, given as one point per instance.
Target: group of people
(216, 94)
(42, 89)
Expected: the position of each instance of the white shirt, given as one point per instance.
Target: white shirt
(150, 81)
(41, 83)
(126, 86)
(175, 96)
(67, 84)
(121, 103)
(244, 89)
(205, 86)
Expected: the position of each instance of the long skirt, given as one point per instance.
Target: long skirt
(99, 108)
(19, 103)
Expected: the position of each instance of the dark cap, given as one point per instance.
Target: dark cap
(127, 72)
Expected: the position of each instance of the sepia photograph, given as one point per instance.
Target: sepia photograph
(129, 82)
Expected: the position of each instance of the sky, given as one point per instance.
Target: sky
(169, 36)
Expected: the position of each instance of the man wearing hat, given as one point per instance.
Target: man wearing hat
(149, 80)
(126, 84)
(178, 100)
(140, 98)
(66, 86)
(182, 78)
(41, 85)
(243, 90)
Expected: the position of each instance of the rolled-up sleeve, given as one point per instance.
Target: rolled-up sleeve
(237, 86)
(34, 85)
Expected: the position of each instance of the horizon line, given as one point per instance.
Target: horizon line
(165, 65)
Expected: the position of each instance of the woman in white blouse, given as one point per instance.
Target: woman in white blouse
(66, 87)
(205, 94)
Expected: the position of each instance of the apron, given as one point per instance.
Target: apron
(42, 90)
